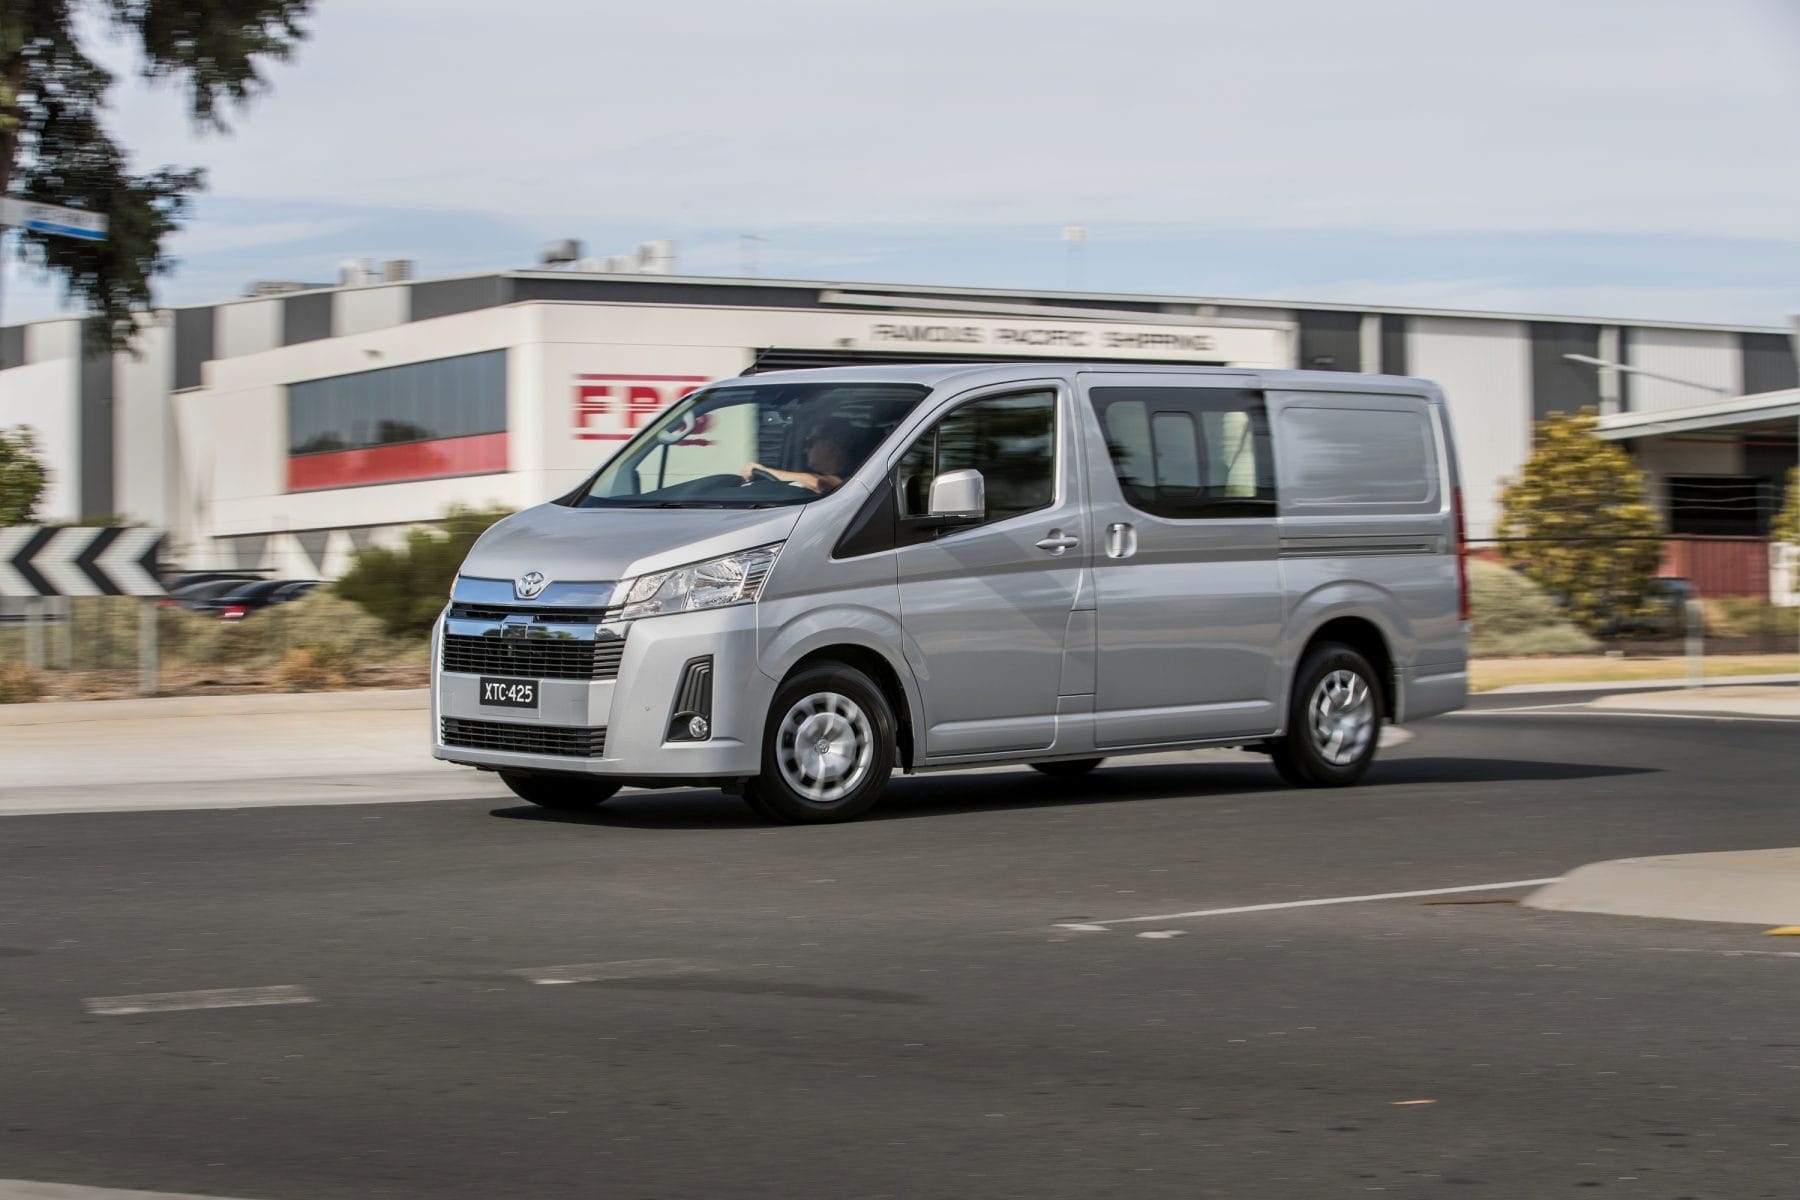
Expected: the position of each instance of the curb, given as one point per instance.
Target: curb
(1632, 685)
(66, 712)
(1744, 887)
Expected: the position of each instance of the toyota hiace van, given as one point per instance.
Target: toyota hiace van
(789, 585)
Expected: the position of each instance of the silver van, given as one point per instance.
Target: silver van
(790, 584)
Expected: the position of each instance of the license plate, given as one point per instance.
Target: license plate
(509, 693)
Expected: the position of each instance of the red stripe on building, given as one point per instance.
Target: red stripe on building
(479, 455)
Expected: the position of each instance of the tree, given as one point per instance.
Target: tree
(22, 477)
(1577, 520)
(406, 589)
(54, 148)
(1787, 522)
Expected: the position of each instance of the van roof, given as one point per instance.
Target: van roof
(975, 374)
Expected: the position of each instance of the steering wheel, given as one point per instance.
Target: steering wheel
(757, 473)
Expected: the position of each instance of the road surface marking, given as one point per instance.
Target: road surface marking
(1250, 908)
(1576, 711)
(1729, 953)
(150, 1002)
(599, 972)
(27, 1189)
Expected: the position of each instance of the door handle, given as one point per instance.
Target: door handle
(1121, 540)
(1058, 541)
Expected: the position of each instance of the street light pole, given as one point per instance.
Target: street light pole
(1591, 361)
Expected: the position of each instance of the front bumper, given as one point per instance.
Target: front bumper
(615, 728)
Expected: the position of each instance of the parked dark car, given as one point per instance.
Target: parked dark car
(195, 595)
(187, 579)
(238, 604)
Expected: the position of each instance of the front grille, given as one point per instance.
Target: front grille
(533, 658)
(569, 741)
(542, 616)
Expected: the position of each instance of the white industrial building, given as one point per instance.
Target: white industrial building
(284, 430)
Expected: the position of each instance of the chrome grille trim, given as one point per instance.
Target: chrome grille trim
(567, 741)
(533, 657)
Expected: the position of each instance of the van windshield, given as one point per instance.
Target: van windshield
(753, 445)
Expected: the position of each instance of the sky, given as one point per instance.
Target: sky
(1625, 158)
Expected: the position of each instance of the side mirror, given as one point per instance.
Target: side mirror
(958, 496)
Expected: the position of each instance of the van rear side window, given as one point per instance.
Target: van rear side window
(1189, 453)
(1356, 457)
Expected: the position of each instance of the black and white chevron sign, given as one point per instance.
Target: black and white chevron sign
(35, 561)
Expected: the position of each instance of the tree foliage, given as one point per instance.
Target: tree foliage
(55, 149)
(406, 589)
(1578, 522)
(22, 477)
(1787, 522)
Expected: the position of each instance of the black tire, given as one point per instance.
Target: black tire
(828, 748)
(1334, 719)
(565, 793)
(1067, 768)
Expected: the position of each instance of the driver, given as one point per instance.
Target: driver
(828, 457)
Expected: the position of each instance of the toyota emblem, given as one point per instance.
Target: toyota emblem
(529, 585)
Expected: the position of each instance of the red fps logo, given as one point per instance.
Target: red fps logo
(612, 408)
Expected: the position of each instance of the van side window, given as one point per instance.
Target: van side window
(1011, 440)
(1190, 453)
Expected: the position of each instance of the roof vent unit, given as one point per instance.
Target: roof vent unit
(560, 253)
(656, 258)
(355, 272)
(397, 270)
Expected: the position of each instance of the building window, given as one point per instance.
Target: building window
(1721, 505)
(419, 421)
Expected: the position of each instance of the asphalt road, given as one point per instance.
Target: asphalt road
(896, 1008)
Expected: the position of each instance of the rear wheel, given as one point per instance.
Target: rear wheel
(1067, 768)
(1334, 719)
(828, 748)
(567, 793)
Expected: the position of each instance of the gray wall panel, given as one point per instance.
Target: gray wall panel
(12, 346)
(193, 344)
(1768, 362)
(1330, 341)
(637, 290)
(1393, 344)
(96, 432)
(1558, 385)
(446, 297)
(305, 317)
(1625, 376)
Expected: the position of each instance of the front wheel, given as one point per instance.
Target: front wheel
(566, 793)
(828, 748)
(1334, 718)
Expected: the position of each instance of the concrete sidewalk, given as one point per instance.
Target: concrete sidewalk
(1751, 887)
(1758, 700)
(225, 752)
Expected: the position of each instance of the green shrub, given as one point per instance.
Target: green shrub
(1576, 521)
(406, 589)
(1511, 615)
(264, 638)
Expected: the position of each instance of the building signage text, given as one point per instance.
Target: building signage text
(1040, 337)
(612, 408)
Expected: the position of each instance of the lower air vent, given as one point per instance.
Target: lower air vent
(569, 741)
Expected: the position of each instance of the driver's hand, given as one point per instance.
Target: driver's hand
(749, 469)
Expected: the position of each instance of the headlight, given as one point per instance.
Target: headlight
(734, 579)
